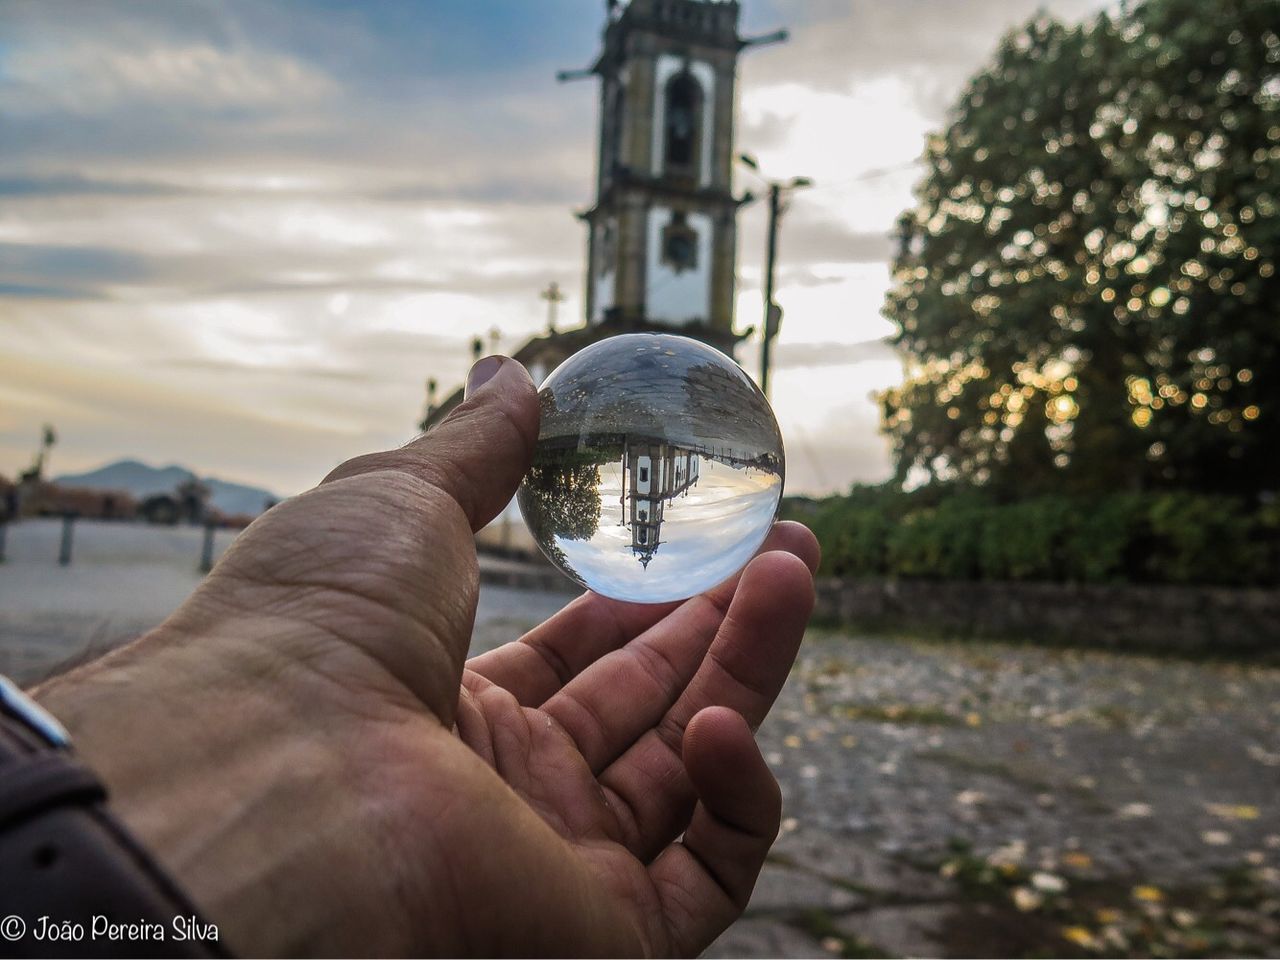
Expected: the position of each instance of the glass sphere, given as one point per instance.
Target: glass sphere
(658, 470)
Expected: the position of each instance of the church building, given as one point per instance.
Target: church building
(654, 473)
(661, 234)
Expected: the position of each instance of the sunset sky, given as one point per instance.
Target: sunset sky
(239, 236)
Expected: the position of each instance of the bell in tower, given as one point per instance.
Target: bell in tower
(662, 230)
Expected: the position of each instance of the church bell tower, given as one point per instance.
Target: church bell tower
(661, 235)
(662, 231)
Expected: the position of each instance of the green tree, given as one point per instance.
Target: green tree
(1085, 292)
(561, 495)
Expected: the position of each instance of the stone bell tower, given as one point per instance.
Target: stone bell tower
(661, 239)
(662, 236)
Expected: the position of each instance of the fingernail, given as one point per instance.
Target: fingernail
(481, 373)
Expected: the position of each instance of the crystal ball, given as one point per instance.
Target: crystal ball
(658, 469)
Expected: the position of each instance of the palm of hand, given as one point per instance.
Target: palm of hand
(616, 759)
(575, 760)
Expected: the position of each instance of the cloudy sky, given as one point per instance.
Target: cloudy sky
(240, 234)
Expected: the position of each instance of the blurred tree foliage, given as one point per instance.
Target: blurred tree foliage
(1086, 292)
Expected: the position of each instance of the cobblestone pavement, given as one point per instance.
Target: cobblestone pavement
(995, 800)
(941, 799)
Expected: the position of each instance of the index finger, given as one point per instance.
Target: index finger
(537, 665)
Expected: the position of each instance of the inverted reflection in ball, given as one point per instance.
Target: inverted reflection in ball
(658, 469)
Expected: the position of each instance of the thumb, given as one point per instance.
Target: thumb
(479, 453)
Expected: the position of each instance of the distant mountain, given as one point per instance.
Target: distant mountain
(142, 480)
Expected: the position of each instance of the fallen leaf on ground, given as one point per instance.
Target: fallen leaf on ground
(1048, 882)
(1081, 937)
(1233, 811)
(1134, 811)
(1115, 937)
(1026, 899)
(1013, 852)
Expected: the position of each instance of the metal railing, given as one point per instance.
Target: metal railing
(66, 540)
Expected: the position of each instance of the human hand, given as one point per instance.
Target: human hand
(301, 746)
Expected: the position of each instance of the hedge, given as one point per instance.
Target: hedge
(1121, 538)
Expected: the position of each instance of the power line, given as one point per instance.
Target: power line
(837, 185)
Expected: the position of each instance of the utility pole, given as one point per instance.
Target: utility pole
(778, 191)
(772, 312)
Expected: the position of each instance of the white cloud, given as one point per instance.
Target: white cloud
(265, 255)
(88, 76)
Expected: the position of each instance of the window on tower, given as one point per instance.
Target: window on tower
(682, 120)
(606, 249)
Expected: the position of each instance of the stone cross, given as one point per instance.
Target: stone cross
(554, 298)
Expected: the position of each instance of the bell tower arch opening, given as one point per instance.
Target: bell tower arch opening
(682, 124)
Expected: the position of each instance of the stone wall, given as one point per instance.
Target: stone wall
(1194, 621)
